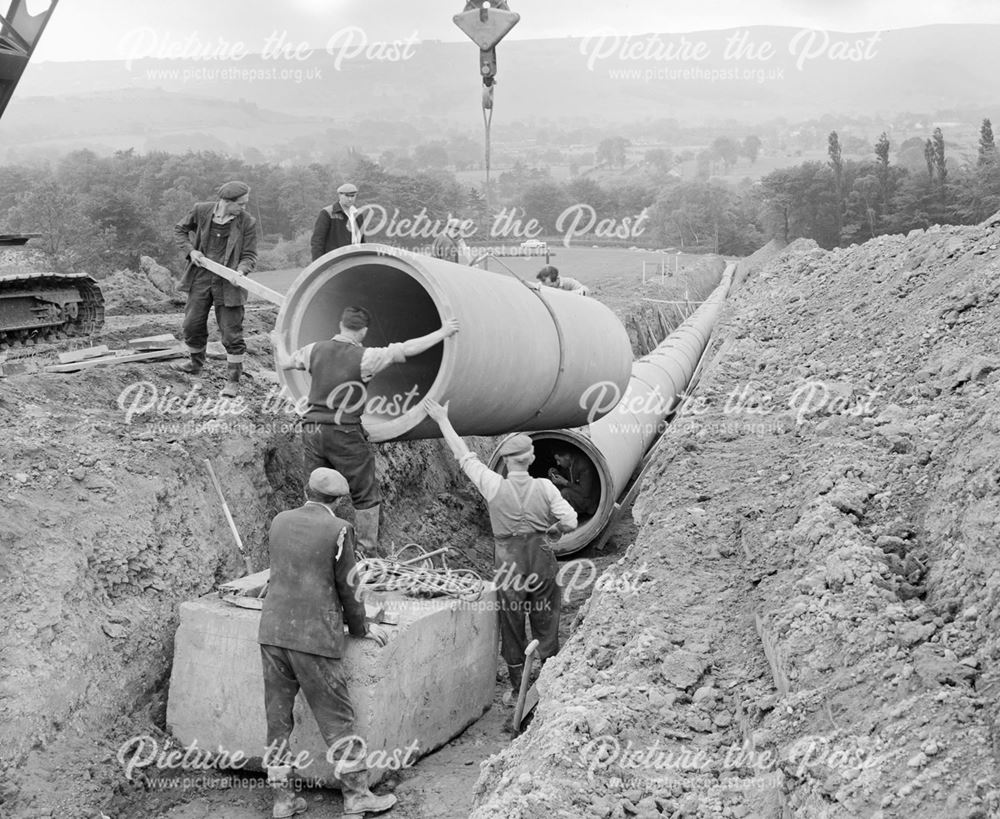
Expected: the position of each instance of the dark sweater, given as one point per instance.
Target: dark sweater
(332, 230)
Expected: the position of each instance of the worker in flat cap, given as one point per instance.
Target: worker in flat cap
(338, 224)
(332, 434)
(311, 595)
(224, 232)
(527, 515)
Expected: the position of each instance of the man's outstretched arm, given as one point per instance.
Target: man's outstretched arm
(485, 479)
(452, 438)
(415, 346)
(376, 359)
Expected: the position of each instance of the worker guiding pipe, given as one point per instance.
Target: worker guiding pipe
(523, 360)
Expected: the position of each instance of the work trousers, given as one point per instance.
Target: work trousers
(581, 503)
(206, 291)
(526, 576)
(346, 449)
(324, 684)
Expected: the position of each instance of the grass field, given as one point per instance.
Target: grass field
(590, 265)
(594, 267)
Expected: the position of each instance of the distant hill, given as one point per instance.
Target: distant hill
(809, 74)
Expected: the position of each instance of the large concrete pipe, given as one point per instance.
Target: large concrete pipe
(522, 360)
(616, 443)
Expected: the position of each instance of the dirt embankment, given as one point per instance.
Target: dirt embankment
(807, 623)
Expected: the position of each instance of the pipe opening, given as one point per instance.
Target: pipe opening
(590, 524)
(401, 309)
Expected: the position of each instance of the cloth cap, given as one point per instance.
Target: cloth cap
(519, 444)
(348, 187)
(328, 482)
(233, 190)
(355, 318)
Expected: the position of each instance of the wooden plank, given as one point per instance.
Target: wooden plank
(162, 342)
(240, 280)
(155, 355)
(82, 355)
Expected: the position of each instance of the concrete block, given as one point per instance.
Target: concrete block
(435, 677)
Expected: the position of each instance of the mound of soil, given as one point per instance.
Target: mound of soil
(806, 624)
(150, 289)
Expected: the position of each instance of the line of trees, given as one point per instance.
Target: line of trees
(838, 202)
(845, 201)
(102, 213)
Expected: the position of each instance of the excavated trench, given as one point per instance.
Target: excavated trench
(113, 521)
(803, 623)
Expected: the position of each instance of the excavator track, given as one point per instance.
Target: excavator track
(47, 306)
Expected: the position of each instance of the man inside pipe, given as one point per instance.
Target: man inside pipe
(225, 233)
(549, 276)
(576, 480)
(332, 434)
(312, 591)
(339, 224)
(526, 514)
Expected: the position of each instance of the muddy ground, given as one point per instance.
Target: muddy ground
(110, 521)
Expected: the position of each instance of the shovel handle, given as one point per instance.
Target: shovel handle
(229, 518)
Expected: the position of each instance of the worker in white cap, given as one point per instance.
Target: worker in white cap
(311, 593)
(527, 515)
(339, 224)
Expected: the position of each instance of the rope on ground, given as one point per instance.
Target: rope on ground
(417, 576)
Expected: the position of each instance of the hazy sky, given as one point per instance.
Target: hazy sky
(110, 29)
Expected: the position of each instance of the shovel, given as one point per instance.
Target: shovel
(527, 698)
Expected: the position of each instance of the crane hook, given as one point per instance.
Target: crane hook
(486, 23)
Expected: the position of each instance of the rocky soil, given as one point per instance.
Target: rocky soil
(806, 624)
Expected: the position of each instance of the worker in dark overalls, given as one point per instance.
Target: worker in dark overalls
(577, 481)
(527, 514)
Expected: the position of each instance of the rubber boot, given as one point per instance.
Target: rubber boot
(194, 365)
(514, 673)
(366, 529)
(358, 799)
(232, 388)
(286, 803)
